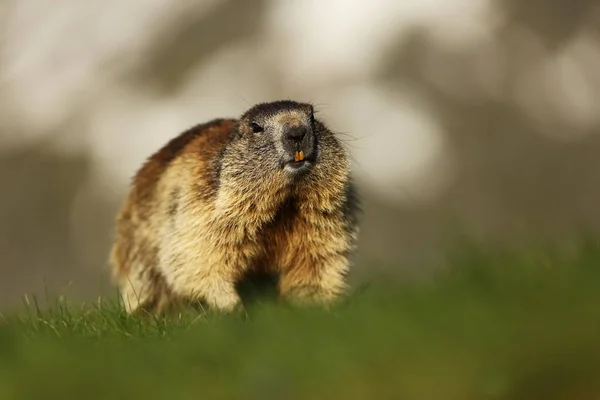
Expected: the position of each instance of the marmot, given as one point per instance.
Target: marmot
(270, 191)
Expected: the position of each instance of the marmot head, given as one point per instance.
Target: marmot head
(281, 135)
(281, 143)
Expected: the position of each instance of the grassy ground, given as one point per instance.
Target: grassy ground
(495, 326)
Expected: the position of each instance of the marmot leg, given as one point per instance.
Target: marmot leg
(314, 279)
(219, 292)
(144, 289)
(211, 279)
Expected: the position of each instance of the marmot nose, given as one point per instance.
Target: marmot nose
(296, 134)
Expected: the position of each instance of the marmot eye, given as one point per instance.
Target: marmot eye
(256, 128)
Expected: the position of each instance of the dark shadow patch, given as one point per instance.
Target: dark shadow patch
(257, 286)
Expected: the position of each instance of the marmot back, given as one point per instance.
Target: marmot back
(270, 191)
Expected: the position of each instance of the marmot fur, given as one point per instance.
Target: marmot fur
(270, 191)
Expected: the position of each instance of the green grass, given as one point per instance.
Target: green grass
(493, 326)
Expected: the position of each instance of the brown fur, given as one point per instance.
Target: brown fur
(216, 203)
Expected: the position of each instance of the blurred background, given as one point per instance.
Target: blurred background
(466, 119)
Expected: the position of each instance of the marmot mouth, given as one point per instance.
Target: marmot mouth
(298, 161)
(298, 166)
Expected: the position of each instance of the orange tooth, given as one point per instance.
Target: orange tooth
(299, 156)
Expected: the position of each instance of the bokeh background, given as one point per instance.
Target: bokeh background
(467, 119)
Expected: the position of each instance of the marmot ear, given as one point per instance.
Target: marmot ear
(238, 129)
